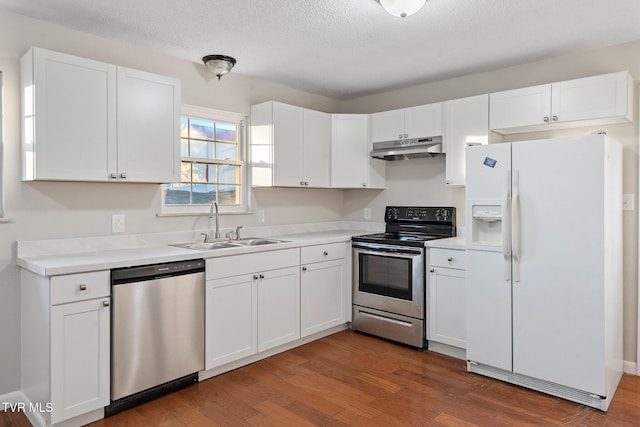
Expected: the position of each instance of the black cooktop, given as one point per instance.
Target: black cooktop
(414, 225)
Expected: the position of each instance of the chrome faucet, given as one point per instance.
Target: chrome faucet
(214, 204)
(234, 235)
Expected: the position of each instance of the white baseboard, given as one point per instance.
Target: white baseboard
(630, 367)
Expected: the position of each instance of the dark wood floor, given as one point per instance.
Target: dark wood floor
(349, 379)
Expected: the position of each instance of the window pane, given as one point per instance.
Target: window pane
(184, 127)
(203, 193)
(184, 147)
(201, 129)
(185, 172)
(178, 194)
(226, 151)
(202, 149)
(226, 132)
(228, 195)
(228, 174)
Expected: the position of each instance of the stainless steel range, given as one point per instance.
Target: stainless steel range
(389, 272)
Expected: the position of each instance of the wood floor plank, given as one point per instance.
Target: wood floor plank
(351, 379)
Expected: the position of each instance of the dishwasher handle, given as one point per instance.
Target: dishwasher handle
(155, 271)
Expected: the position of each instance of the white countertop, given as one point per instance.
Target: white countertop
(49, 263)
(457, 242)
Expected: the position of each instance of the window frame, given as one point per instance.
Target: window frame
(220, 116)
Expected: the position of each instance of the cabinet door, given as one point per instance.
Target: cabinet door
(466, 124)
(80, 358)
(520, 107)
(322, 296)
(148, 127)
(387, 125)
(69, 113)
(288, 138)
(351, 165)
(591, 98)
(447, 306)
(230, 319)
(317, 149)
(278, 307)
(423, 121)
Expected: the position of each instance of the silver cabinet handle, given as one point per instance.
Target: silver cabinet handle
(301, 182)
(306, 183)
(364, 184)
(325, 253)
(123, 175)
(450, 259)
(546, 119)
(113, 176)
(304, 268)
(82, 287)
(262, 276)
(106, 303)
(255, 277)
(406, 135)
(432, 270)
(400, 135)
(554, 118)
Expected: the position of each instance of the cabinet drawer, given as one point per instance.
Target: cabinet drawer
(80, 287)
(449, 258)
(251, 263)
(317, 253)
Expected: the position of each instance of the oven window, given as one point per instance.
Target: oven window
(388, 276)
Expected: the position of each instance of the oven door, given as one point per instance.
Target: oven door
(389, 278)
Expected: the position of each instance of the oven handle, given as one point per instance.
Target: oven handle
(394, 253)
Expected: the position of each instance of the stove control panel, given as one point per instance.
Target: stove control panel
(419, 214)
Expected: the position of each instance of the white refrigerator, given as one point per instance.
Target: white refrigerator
(544, 275)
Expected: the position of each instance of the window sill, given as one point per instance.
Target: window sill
(179, 214)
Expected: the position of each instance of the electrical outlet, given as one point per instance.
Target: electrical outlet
(117, 223)
(367, 213)
(261, 216)
(628, 202)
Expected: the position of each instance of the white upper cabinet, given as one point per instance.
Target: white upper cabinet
(594, 100)
(406, 123)
(290, 146)
(86, 120)
(466, 122)
(351, 164)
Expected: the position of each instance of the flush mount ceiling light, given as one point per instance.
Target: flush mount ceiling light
(402, 8)
(219, 64)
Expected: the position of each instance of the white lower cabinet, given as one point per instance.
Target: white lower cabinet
(323, 287)
(446, 282)
(252, 304)
(66, 352)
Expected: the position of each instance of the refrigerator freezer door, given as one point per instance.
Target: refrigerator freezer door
(558, 303)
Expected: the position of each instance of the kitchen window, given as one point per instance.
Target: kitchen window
(213, 165)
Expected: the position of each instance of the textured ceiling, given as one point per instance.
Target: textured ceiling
(349, 48)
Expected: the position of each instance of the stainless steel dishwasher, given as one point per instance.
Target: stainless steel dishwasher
(157, 331)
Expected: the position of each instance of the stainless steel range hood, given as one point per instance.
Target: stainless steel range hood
(405, 149)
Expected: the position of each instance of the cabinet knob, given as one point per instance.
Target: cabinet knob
(304, 268)
(262, 276)
(554, 118)
(406, 135)
(255, 277)
(106, 303)
(82, 287)
(306, 183)
(400, 135)
(301, 182)
(123, 176)
(450, 259)
(325, 253)
(432, 270)
(364, 184)
(113, 176)
(546, 119)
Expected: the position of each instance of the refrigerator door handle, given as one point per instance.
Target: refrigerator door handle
(515, 224)
(506, 225)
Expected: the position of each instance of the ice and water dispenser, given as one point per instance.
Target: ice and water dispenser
(487, 225)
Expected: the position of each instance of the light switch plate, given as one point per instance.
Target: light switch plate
(261, 216)
(367, 213)
(117, 223)
(628, 202)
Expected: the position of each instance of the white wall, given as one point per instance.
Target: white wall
(58, 210)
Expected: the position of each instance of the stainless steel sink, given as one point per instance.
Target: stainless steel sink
(253, 241)
(200, 246)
